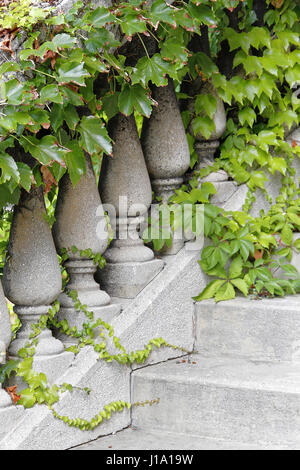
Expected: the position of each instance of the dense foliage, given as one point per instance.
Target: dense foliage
(72, 72)
(69, 64)
(75, 71)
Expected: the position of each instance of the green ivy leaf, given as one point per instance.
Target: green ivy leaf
(110, 104)
(75, 161)
(8, 196)
(99, 17)
(241, 285)
(278, 164)
(236, 268)
(64, 41)
(207, 104)
(201, 62)
(25, 175)
(72, 96)
(247, 115)
(153, 69)
(12, 91)
(135, 98)
(171, 49)
(45, 150)
(202, 13)
(210, 290)
(27, 398)
(162, 12)
(203, 126)
(71, 72)
(287, 235)
(52, 94)
(56, 116)
(94, 136)
(226, 292)
(94, 64)
(101, 39)
(132, 24)
(9, 67)
(7, 369)
(70, 116)
(237, 40)
(257, 178)
(294, 218)
(9, 168)
(37, 380)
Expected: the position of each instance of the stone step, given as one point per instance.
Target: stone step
(238, 400)
(262, 330)
(140, 439)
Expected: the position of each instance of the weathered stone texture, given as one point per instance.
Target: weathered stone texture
(31, 274)
(164, 142)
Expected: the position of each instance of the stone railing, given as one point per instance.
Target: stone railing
(157, 162)
(32, 275)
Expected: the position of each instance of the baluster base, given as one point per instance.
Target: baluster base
(89, 294)
(206, 151)
(161, 223)
(164, 188)
(47, 345)
(176, 246)
(130, 264)
(127, 280)
(50, 356)
(126, 251)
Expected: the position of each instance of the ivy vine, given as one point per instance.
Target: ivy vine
(40, 392)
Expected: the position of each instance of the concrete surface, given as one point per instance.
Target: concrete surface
(261, 330)
(231, 399)
(139, 439)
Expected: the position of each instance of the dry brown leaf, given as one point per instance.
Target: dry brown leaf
(50, 55)
(258, 254)
(12, 392)
(277, 3)
(48, 178)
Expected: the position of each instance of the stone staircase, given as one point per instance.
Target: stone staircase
(164, 309)
(240, 389)
(239, 386)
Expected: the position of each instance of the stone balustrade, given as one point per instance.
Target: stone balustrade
(32, 275)
(155, 164)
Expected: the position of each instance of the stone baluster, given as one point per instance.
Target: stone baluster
(125, 185)
(166, 149)
(5, 337)
(80, 222)
(206, 148)
(32, 281)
